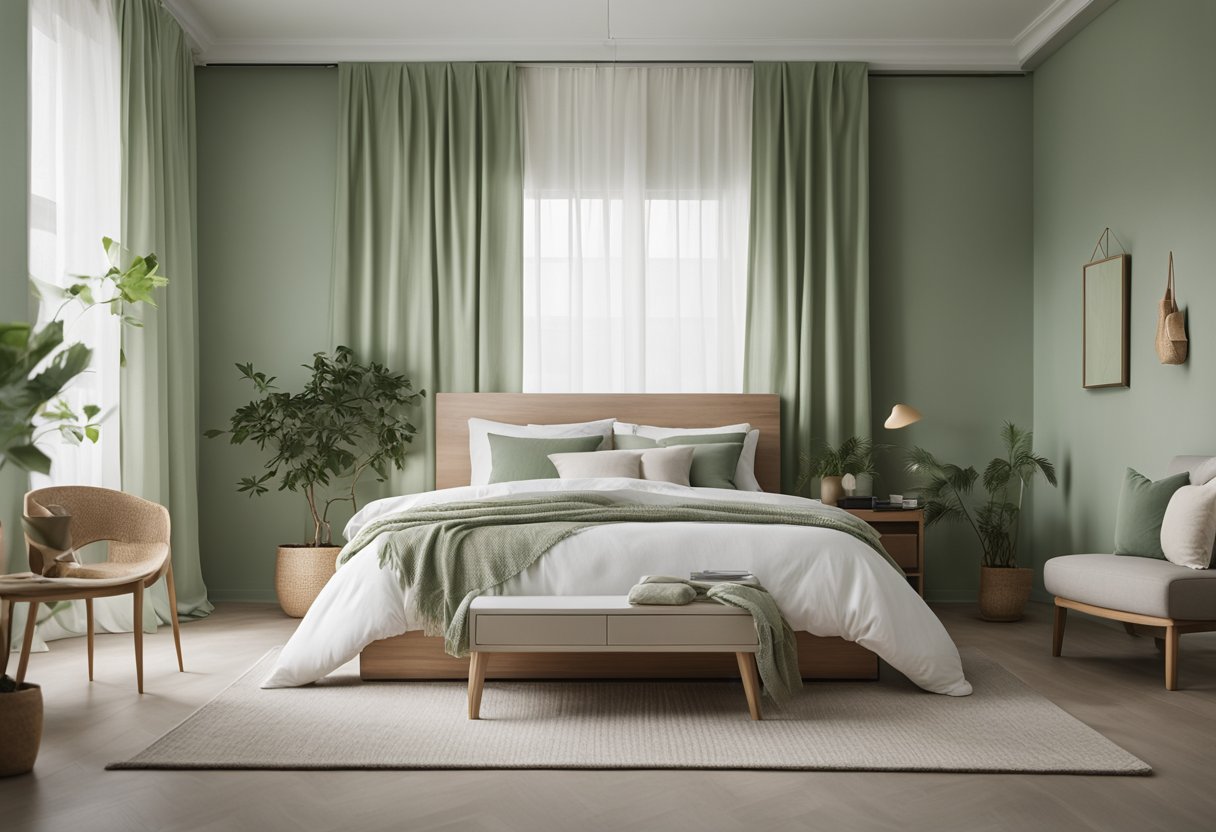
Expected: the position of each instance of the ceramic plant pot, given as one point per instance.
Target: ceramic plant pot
(300, 573)
(20, 729)
(1004, 592)
(831, 490)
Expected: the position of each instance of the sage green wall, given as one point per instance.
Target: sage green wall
(1124, 136)
(951, 270)
(267, 151)
(951, 232)
(14, 234)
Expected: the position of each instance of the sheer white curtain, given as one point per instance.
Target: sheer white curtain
(636, 188)
(75, 200)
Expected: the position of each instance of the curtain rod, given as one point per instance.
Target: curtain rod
(879, 73)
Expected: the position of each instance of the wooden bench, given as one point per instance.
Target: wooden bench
(607, 624)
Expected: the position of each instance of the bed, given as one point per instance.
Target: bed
(828, 581)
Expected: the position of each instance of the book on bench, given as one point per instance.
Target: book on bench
(739, 576)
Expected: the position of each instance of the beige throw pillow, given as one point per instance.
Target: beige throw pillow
(577, 466)
(1188, 531)
(668, 464)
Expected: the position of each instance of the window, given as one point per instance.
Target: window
(636, 187)
(75, 200)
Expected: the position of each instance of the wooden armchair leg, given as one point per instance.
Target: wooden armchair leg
(138, 630)
(1057, 633)
(27, 642)
(88, 614)
(1171, 658)
(6, 632)
(177, 633)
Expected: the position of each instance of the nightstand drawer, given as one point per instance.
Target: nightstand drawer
(904, 548)
(541, 630)
(737, 630)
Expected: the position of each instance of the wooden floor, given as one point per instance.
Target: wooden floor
(1109, 680)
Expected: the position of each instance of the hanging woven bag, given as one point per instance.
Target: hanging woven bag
(1171, 325)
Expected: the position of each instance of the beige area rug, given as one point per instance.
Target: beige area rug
(889, 725)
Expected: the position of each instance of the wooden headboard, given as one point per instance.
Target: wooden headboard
(676, 410)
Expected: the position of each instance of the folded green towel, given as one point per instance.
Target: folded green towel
(777, 658)
(666, 594)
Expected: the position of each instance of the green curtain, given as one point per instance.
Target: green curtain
(160, 384)
(428, 244)
(808, 267)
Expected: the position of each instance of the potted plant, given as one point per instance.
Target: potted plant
(349, 419)
(20, 726)
(35, 369)
(854, 455)
(1004, 587)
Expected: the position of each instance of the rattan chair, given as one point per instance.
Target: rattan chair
(138, 535)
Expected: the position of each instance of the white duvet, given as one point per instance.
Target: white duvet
(825, 582)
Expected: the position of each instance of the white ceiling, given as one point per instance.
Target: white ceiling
(927, 35)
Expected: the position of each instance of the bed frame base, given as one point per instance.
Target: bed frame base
(414, 656)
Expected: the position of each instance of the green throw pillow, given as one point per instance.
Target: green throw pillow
(629, 442)
(1142, 505)
(514, 458)
(713, 462)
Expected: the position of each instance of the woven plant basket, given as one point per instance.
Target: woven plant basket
(1004, 592)
(300, 573)
(20, 729)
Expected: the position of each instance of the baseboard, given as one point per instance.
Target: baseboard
(259, 595)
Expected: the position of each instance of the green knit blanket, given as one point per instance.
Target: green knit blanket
(448, 554)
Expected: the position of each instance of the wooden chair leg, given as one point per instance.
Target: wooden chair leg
(6, 632)
(88, 614)
(1171, 658)
(138, 629)
(27, 642)
(1057, 633)
(177, 632)
(751, 682)
(477, 680)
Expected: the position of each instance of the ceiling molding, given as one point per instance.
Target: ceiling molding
(197, 32)
(1042, 36)
(1053, 28)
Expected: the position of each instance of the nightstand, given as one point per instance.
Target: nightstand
(903, 536)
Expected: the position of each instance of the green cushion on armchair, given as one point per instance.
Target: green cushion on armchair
(1142, 504)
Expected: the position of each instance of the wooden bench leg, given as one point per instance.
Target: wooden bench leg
(751, 682)
(26, 643)
(1171, 658)
(1057, 633)
(477, 681)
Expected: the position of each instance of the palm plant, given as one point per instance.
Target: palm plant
(995, 521)
(854, 455)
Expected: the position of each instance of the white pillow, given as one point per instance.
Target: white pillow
(745, 471)
(577, 466)
(656, 464)
(479, 442)
(1189, 528)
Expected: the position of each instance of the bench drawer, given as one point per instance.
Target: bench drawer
(903, 548)
(540, 630)
(732, 630)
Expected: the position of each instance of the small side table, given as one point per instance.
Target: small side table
(903, 536)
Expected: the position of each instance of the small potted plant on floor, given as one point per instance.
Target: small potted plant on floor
(854, 455)
(349, 419)
(20, 725)
(1004, 587)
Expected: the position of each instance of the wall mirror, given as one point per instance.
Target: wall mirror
(1106, 286)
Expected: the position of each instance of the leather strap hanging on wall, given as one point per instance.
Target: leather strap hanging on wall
(1171, 325)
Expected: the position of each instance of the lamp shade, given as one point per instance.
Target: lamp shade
(901, 416)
